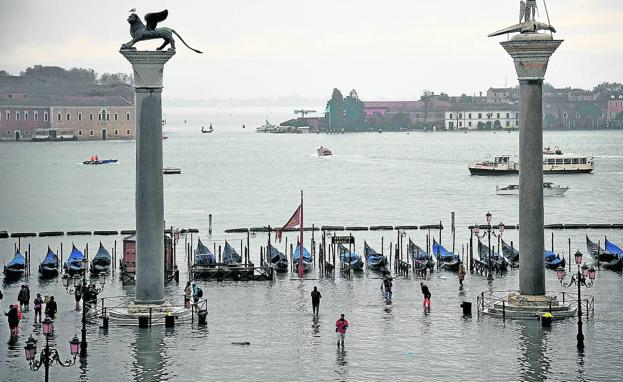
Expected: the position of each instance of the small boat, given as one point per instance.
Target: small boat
(549, 189)
(203, 256)
(498, 262)
(350, 259)
(557, 163)
(50, 265)
(553, 260)
(73, 264)
(510, 253)
(171, 171)
(278, 260)
(374, 259)
(230, 256)
(446, 259)
(164, 137)
(15, 268)
(324, 152)
(204, 131)
(419, 257)
(100, 161)
(600, 254)
(307, 259)
(610, 258)
(101, 261)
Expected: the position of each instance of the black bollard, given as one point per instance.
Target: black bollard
(169, 321)
(105, 322)
(202, 316)
(467, 308)
(143, 322)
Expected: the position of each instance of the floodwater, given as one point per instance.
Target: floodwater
(247, 180)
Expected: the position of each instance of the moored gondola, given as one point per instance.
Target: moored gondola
(553, 260)
(73, 264)
(599, 253)
(101, 261)
(420, 258)
(510, 253)
(50, 265)
(15, 269)
(374, 259)
(350, 259)
(306, 261)
(278, 260)
(230, 256)
(446, 259)
(498, 262)
(203, 256)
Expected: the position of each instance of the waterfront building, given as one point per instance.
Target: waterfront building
(17, 123)
(428, 112)
(503, 95)
(95, 122)
(481, 117)
(615, 106)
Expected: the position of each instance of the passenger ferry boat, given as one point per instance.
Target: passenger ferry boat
(553, 163)
(549, 189)
(324, 152)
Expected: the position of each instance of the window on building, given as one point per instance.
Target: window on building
(90, 116)
(59, 117)
(470, 124)
(116, 132)
(508, 115)
(127, 132)
(516, 122)
(8, 116)
(68, 116)
(470, 115)
(116, 116)
(26, 132)
(79, 116)
(516, 115)
(8, 132)
(451, 116)
(460, 124)
(99, 116)
(479, 115)
(577, 115)
(460, 116)
(79, 133)
(498, 116)
(45, 116)
(91, 132)
(127, 116)
(35, 115)
(25, 116)
(17, 115)
(108, 116)
(564, 115)
(508, 123)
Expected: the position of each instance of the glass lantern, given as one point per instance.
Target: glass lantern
(560, 273)
(591, 273)
(489, 216)
(501, 227)
(30, 350)
(578, 258)
(77, 281)
(74, 346)
(102, 278)
(585, 270)
(476, 229)
(48, 326)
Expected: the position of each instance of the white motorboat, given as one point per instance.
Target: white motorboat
(549, 189)
(324, 152)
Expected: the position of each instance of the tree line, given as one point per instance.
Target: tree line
(75, 75)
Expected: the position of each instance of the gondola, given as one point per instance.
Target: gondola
(307, 259)
(100, 161)
(446, 259)
(278, 260)
(498, 262)
(230, 256)
(15, 268)
(419, 257)
(101, 261)
(50, 265)
(203, 256)
(374, 259)
(553, 261)
(73, 264)
(601, 254)
(510, 253)
(351, 259)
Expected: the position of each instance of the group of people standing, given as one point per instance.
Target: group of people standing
(16, 311)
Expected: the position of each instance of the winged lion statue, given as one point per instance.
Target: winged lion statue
(141, 32)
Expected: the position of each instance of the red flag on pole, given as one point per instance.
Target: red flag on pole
(301, 271)
(295, 220)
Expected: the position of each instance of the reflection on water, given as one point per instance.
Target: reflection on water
(534, 363)
(341, 363)
(147, 350)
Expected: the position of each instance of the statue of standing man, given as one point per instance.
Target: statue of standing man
(527, 11)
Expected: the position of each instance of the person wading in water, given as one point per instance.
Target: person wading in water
(316, 296)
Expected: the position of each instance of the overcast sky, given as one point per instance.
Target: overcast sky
(389, 49)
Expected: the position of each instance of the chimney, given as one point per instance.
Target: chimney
(481, 93)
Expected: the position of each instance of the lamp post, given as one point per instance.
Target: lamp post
(88, 290)
(578, 279)
(489, 274)
(48, 355)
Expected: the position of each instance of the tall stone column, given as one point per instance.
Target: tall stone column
(148, 71)
(531, 53)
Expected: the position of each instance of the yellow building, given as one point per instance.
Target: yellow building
(95, 123)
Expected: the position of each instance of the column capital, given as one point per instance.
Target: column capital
(148, 66)
(531, 53)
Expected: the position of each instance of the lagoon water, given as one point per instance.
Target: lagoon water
(247, 180)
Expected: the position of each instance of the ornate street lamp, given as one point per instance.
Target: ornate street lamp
(489, 216)
(49, 355)
(578, 279)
